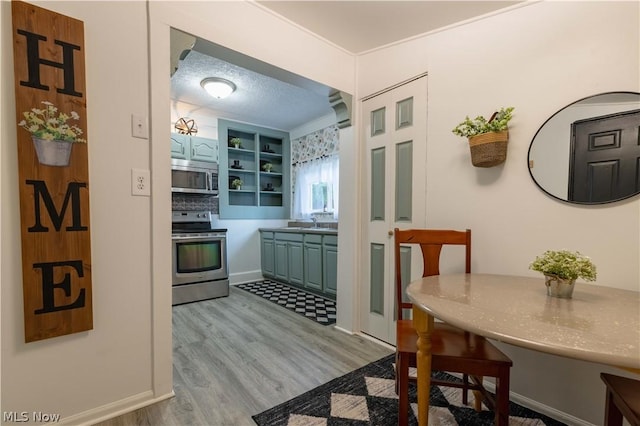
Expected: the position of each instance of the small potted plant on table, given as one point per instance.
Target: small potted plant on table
(561, 269)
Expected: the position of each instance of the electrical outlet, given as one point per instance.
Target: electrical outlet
(140, 182)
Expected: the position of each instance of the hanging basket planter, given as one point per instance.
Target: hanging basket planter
(489, 149)
(487, 138)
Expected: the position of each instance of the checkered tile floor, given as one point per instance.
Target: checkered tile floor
(309, 305)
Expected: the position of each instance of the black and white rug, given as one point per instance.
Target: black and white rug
(367, 397)
(316, 308)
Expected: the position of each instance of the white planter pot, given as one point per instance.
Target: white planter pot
(52, 152)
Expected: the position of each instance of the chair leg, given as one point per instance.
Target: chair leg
(402, 388)
(397, 374)
(477, 396)
(502, 399)
(612, 414)
(465, 389)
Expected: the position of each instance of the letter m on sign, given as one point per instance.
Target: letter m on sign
(49, 65)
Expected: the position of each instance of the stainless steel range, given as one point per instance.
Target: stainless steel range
(199, 252)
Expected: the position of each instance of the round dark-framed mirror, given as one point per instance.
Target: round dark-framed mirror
(589, 151)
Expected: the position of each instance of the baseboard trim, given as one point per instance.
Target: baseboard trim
(539, 407)
(115, 409)
(245, 277)
(343, 330)
(548, 411)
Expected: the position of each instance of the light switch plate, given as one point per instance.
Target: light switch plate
(139, 126)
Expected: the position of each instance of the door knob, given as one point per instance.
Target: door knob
(391, 233)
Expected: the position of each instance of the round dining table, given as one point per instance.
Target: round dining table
(599, 323)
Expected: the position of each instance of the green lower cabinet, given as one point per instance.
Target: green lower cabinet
(281, 261)
(268, 254)
(288, 257)
(330, 266)
(306, 260)
(295, 256)
(313, 266)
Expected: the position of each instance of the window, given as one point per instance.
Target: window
(320, 201)
(316, 188)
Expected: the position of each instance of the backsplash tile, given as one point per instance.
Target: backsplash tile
(188, 202)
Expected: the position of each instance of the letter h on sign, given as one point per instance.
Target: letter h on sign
(34, 62)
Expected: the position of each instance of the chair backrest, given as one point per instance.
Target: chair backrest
(430, 242)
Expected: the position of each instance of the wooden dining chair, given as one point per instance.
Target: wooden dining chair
(622, 400)
(453, 350)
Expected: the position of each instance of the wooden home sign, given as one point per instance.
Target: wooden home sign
(48, 51)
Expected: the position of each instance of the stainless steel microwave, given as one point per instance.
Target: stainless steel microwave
(195, 177)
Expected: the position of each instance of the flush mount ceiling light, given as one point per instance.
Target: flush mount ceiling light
(218, 87)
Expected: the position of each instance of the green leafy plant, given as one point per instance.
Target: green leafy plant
(237, 183)
(480, 125)
(267, 167)
(565, 264)
(236, 142)
(49, 124)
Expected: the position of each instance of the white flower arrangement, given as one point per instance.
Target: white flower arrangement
(479, 125)
(48, 124)
(237, 183)
(565, 264)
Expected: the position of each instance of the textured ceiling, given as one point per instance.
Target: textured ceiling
(271, 97)
(258, 99)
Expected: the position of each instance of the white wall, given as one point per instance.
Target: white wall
(561, 50)
(85, 371)
(536, 58)
(126, 360)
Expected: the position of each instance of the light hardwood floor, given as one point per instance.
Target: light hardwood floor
(237, 356)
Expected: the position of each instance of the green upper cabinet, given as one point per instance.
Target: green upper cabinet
(262, 162)
(187, 147)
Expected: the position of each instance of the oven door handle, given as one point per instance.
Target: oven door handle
(197, 237)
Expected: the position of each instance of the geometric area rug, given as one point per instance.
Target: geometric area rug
(367, 396)
(308, 305)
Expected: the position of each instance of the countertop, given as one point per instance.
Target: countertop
(303, 230)
(599, 324)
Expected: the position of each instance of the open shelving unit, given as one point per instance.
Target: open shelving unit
(265, 190)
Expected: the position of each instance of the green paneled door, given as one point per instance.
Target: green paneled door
(377, 184)
(404, 181)
(394, 173)
(376, 300)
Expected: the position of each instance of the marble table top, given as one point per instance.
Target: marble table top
(599, 324)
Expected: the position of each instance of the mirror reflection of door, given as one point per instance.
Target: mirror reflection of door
(605, 158)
